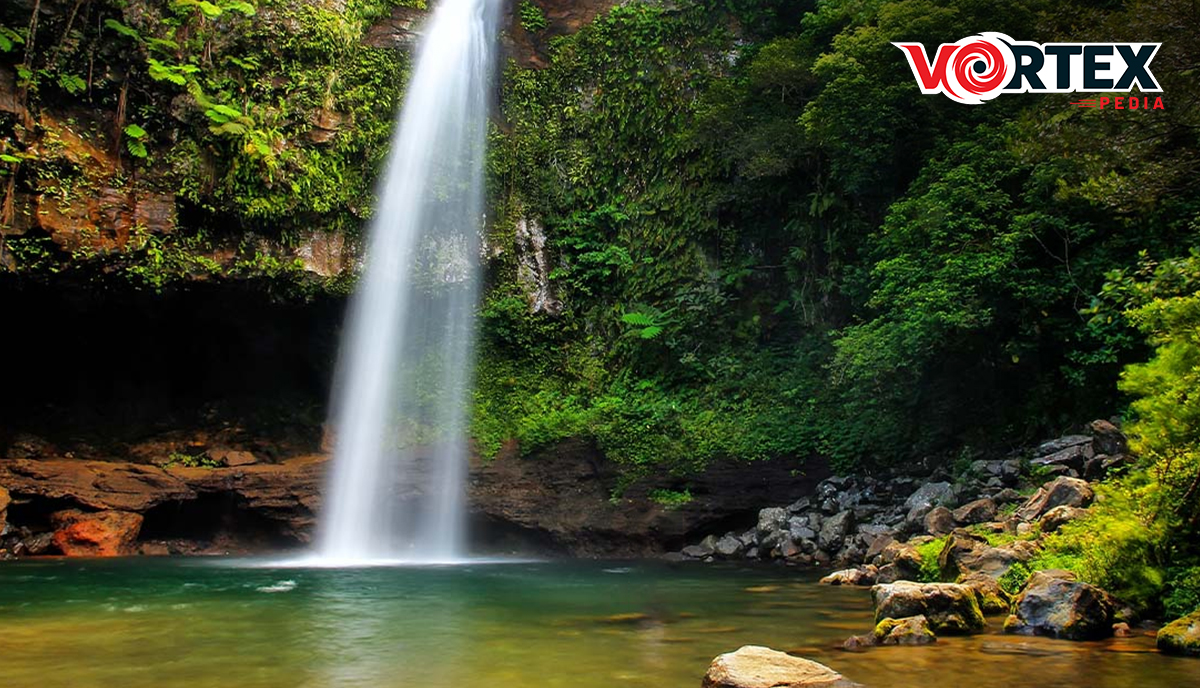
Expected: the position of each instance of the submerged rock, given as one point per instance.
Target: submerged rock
(1181, 636)
(99, 534)
(862, 576)
(1053, 603)
(949, 607)
(913, 630)
(753, 666)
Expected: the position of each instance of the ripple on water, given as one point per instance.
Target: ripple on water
(281, 586)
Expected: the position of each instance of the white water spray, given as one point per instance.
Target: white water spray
(396, 487)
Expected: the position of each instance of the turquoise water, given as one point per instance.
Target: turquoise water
(199, 623)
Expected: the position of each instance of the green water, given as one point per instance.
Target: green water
(199, 623)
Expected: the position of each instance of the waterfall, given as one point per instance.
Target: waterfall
(396, 485)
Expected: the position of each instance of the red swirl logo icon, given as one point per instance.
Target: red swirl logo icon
(980, 67)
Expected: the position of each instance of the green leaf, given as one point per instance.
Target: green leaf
(245, 8)
(650, 332)
(122, 29)
(227, 111)
(210, 10)
(162, 44)
(9, 39)
(5, 157)
(136, 148)
(71, 83)
(135, 131)
(637, 319)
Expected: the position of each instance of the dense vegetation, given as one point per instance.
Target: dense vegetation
(769, 243)
(764, 240)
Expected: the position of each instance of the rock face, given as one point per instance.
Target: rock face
(558, 500)
(99, 534)
(949, 607)
(1053, 603)
(5, 500)
(563, 497)
(753, 666)
(1181, 636)
(285, 494)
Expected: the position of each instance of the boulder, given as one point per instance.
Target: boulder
(949, 607)
(39, 544)
(1071, 458)
(835, 529)
(1062, 491)
(1107, 438)
(1007, 496)
(926, 497)
(97, 534)
(753, 666)
(858, 643)
(1052, 446)
(898, 561)
(1055, 518)
(799, 529)
(772, 528)
(1053, 603)
(699, 551)
(913, 630)
(729, 546)
(863, 576)
(1181, 636)
(233, 457)
(939, 521)
(993, 599)
(978, 511)
(877, 546)
(966, 553)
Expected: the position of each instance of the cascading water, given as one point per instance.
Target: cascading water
(396, 491)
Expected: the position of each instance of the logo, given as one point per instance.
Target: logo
(979, 68)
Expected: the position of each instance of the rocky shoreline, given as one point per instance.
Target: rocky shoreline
(939, 556)
(850, 520)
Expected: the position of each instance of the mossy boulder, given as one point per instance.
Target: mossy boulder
(992, 598)
(950, 608)
(1055, 604)
(1181, 636)
(913, 630)
(966, 553)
